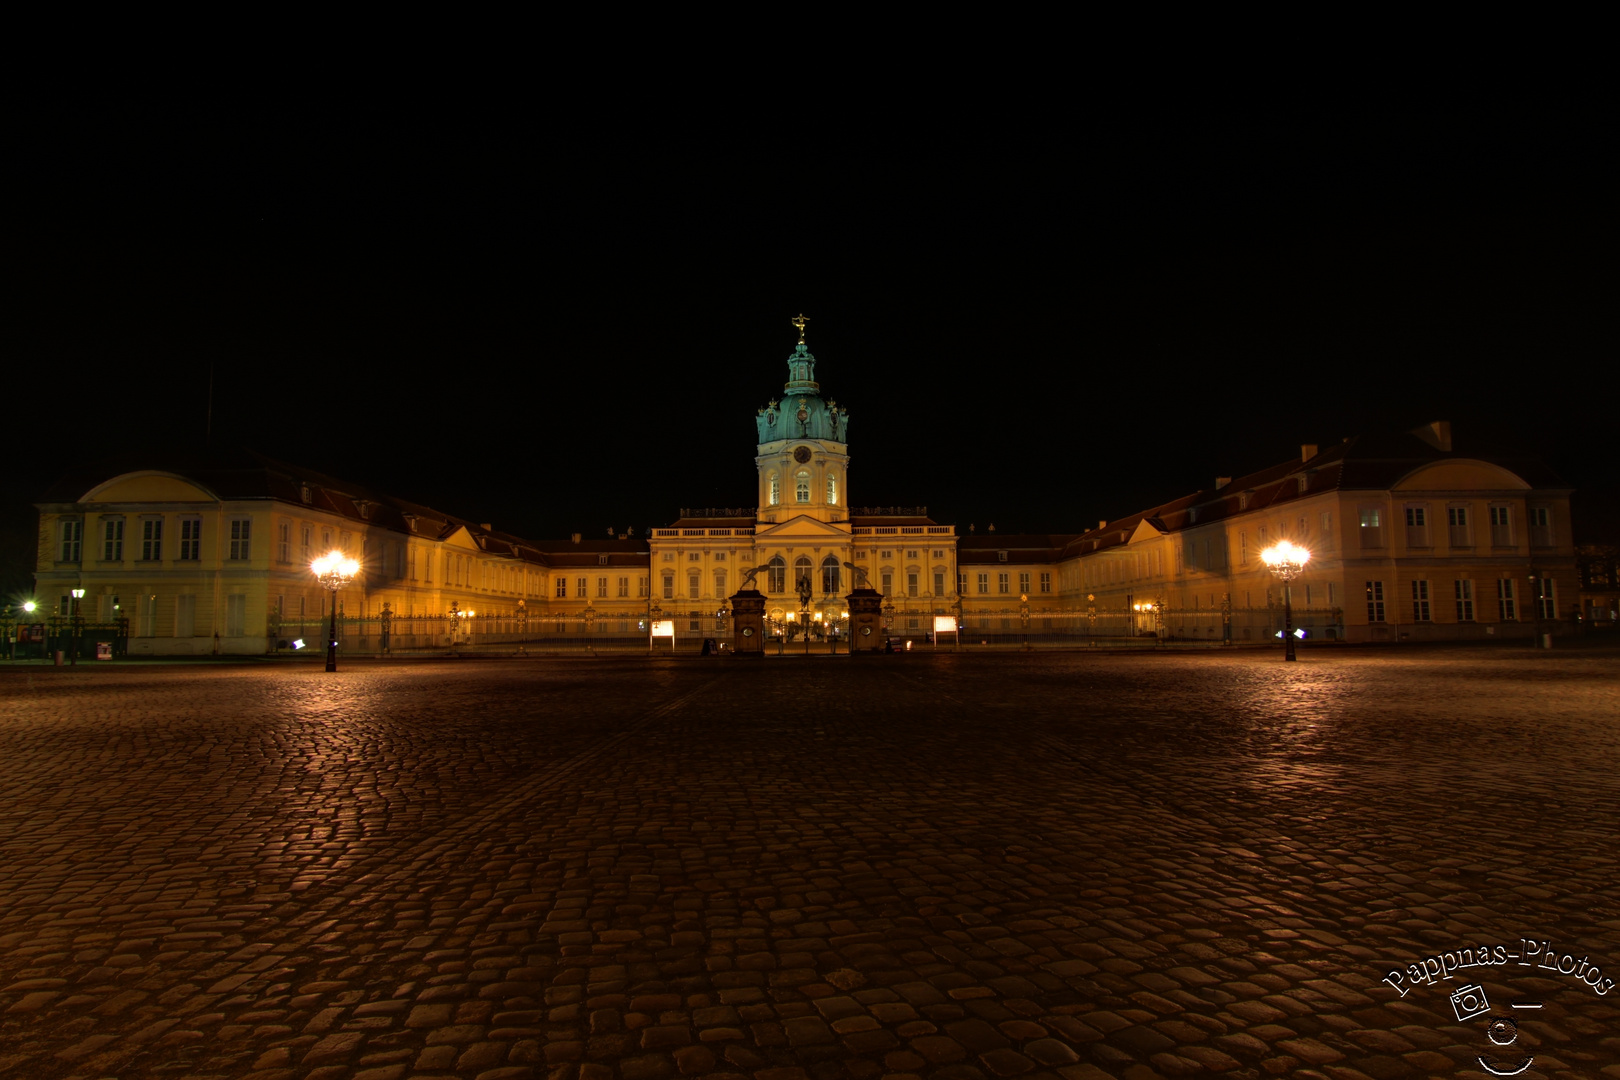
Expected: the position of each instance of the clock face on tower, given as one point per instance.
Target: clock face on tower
(801, 454)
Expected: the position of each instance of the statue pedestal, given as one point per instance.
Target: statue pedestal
(748, 623)
(865, 621)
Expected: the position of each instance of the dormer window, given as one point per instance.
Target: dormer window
(1243, 501)
(303, 492)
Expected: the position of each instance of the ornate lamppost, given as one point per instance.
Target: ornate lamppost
(78, 627)
(1286, 559)
(333, 570)
(1023, 616)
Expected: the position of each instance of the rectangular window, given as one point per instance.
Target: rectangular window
(146, 615)
(284, 542)
(1465, 599)
(241, 537)
(601, 587)
(1001, 583)
(694, 585)
(1457, 526)
(1540, 527)
(888, 582)
(562, 588)
(961, 583)
(305, 554)
(984, 583)
(72, 536)
(641, 587)
(939, 583)
(911, 584)
(1330, 593)
(669, 586)
(1375, 601)
(235, 615)
(1417, 527)
(1420, 601)
(624, 587)
(1501, 530)
(1546, 601)
(1046, 582)
(601, 560)
(1372, 528)
(151, 541)
(112, 540)
(582, 587)
(1506, 609)
(1243, 548)
(1023, 582)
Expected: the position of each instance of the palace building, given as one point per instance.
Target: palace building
(1409, 541)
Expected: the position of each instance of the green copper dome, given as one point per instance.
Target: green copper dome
(801, 414)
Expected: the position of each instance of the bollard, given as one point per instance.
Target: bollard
(58, 657)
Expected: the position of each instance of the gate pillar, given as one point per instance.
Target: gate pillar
(865, 621)
(748, 622)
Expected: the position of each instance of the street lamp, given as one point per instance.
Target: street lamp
(1286, 559)
(78, 594)
(333, 570)
(1023, 616)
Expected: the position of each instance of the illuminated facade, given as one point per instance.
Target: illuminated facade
(803, 528)
(1410, 542)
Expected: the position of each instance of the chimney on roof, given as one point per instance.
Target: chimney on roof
(576, 538)
(1102, 524)
(1307, 451)
(1222, 481)
(486, 526)
(1437, 434)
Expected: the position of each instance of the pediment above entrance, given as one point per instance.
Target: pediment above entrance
(802, 528)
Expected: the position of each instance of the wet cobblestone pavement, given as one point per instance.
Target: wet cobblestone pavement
(1074, 865)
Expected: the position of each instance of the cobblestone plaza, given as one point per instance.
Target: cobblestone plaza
(1082, 865)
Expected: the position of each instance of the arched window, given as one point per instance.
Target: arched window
(776, 489)
(832, 489)
(801, 570)
(801, 487)
(776, 575)
(829, 575)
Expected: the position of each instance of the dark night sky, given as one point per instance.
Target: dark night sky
(1038, 323)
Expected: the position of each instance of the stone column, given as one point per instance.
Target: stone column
(865, 621)
(748, 623)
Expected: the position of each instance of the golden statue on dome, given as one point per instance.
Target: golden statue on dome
(799, 321)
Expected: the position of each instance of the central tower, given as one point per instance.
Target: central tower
(802, 455)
